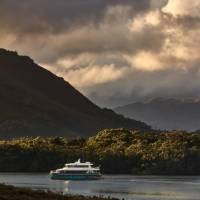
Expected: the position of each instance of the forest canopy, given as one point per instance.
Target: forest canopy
(115, 150)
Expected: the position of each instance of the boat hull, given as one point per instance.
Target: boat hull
(57, 176)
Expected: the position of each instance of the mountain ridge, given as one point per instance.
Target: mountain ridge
(169, 113)
(35, 101)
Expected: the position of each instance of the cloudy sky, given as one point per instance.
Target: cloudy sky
(113, 51)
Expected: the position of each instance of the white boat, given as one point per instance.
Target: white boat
(77, 171)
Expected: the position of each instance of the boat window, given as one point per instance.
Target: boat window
(82, 166)
(78, 166)
(77, 172)
(70, 166)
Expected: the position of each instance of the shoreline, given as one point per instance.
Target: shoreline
(47, 173)
(9, 192)
(108, 188)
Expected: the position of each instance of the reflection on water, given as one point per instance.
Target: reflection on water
(127, 187)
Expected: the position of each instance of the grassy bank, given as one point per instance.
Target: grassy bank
(14, 193)
(118, 151)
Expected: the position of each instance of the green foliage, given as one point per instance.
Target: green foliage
(116, 150)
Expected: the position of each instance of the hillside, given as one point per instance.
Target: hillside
(34, 101)
(165, 113)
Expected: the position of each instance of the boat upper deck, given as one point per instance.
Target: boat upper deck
(79, 166)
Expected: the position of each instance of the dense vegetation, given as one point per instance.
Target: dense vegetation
(116, 150)
(13, 193)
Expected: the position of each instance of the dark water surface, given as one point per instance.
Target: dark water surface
(127, 187)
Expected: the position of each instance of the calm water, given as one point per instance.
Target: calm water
(128, 187)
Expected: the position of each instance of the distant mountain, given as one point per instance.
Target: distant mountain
(162, 113)
(33, 101)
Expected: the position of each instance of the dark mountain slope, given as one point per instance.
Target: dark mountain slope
(165, 113)
(33, 101)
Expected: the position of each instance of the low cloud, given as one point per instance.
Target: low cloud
(183, 8)
(115, 52)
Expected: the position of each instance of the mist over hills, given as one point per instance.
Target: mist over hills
(34, 101)
(161, 113)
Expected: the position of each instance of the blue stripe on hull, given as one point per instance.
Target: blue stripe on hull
(74, 177)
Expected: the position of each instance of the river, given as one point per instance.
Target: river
(119, 186)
